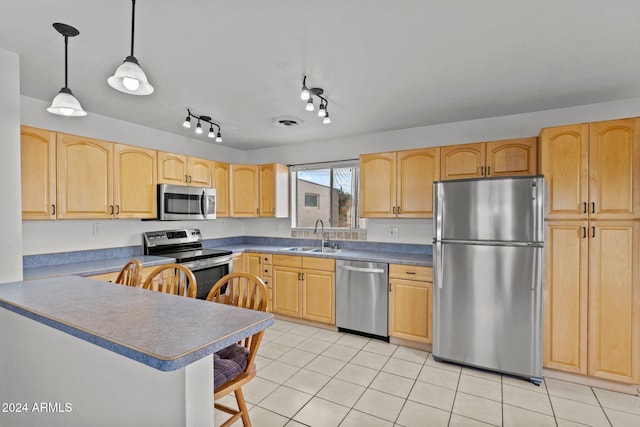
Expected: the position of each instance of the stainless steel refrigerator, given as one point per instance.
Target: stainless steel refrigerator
(488, 274)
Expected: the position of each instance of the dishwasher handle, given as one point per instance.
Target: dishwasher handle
(363, 269)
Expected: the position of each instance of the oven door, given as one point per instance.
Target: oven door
(178, 202)
(208, 272)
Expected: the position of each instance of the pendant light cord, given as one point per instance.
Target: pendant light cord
(66, 43)
(133, 23)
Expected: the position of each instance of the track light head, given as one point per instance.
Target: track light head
(199, 128)
(309, 106)
(322, 110)
(211, 134)
(326, 120)
(219, 137)
(187, 122)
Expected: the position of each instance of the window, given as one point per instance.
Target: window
(311, 200)
(325, 191)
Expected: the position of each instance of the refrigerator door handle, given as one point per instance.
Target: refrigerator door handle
(440, 269)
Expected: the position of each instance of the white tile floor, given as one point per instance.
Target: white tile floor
(309, 376)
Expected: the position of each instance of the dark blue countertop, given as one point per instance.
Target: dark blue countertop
(153, 328)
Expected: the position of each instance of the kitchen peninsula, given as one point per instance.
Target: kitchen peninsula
(80, 352)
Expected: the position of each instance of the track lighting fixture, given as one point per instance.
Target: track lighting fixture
(307, 94)
(65, 104)
(129, 77)
(206, 119)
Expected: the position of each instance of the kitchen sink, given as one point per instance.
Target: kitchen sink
(325, 250)
(300, 249)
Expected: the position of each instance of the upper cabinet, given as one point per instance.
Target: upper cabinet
(85, 177)
(244, 190)
(399, 184)
(490, 159)
(179, 169)
(590, 170)
(274, 190)
(38, 167)
(134, 182)
(259, 190)
(221, 184)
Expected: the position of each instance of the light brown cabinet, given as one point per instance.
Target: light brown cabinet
(592, 170)
(38, 168)
(592, 286)
(111, 277)
(259, 190)
(221, 184)
(134, 182)
(179, 169)
(260, 265)
(303, 287)
(509, 157)
(398, 184)
(410, 302)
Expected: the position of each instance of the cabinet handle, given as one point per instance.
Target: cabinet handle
(481, 170)
(398, 210)
(593, 232)
(394, 210)
(411, 272)
(186, 178)
(111, 209)
(488, 170)
(299, 277)
(390, 287)
(303, 274)
(593, 207)
(584, 207)
(117, 209)
(190, 179)
(266, 270)
(53, 209)
(584, 232)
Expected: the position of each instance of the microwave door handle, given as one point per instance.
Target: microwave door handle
(204, 204)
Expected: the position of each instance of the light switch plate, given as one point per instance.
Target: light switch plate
(393, 231)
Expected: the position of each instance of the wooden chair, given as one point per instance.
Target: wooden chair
(172, 279)
(234, 366)
(131, 274)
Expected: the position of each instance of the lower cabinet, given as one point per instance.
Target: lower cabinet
(260, 265)
(303, 287)
(410, 302)
(111, 277)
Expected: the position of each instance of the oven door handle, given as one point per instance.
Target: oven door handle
(198, 264)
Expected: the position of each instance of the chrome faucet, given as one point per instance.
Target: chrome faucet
(315, 231)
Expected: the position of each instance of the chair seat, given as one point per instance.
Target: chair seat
(228, 363)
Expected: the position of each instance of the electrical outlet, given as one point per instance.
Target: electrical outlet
(393, 231)
(97, 229)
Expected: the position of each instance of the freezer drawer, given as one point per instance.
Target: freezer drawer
(487, 307)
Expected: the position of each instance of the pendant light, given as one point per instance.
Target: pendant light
(129, 77)
(65, 104)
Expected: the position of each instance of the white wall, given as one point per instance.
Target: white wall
(10, 192)
(491, 129)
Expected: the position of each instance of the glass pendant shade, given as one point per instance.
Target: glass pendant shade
(65, 104)
(129, 78)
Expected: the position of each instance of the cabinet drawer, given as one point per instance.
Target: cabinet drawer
(315, 263)
(265, 271)
(411, 272)
(266, 259)
(287, 260)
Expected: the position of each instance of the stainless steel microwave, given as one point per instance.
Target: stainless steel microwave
(179, 202)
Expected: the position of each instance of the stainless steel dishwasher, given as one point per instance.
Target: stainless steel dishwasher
(362, 299)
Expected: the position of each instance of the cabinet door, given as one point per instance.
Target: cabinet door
(287, 291)
(378, 185)
(417, 170)
(244, 190)
(38, 167)
(512, 157)
(85, 181)
(462, 161)
(564, 162)
(410, 305)
(134, 182)
(199, 172)
(614, 169)
(172, 168)
(318, 296)
(614, 301)
(267, 190)
(252, 261)
(566, 296)
(221, 184)
(238, 263)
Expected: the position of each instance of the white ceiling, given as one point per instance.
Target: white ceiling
(383, 64)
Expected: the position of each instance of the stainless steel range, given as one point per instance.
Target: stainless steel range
(185, 245)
